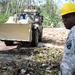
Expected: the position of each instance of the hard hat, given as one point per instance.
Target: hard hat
(68, 7)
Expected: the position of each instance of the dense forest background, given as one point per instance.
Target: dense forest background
(50, 10)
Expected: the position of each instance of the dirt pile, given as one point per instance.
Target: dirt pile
(55, 36)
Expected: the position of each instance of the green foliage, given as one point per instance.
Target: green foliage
(4, 17)
(46, 21)
(51, 13)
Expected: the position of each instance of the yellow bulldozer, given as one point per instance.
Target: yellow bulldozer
(27, 28)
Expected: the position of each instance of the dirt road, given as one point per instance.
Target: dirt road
(52, 37)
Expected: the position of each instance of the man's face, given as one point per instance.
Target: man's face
(68, 20)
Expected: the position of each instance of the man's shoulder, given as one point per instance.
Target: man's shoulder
(72, 32)
(73, 28)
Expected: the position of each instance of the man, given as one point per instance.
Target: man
(67, 66)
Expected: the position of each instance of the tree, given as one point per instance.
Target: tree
(51, 13)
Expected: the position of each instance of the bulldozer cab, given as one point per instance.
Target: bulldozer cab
(31, 14)
(27, 14)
